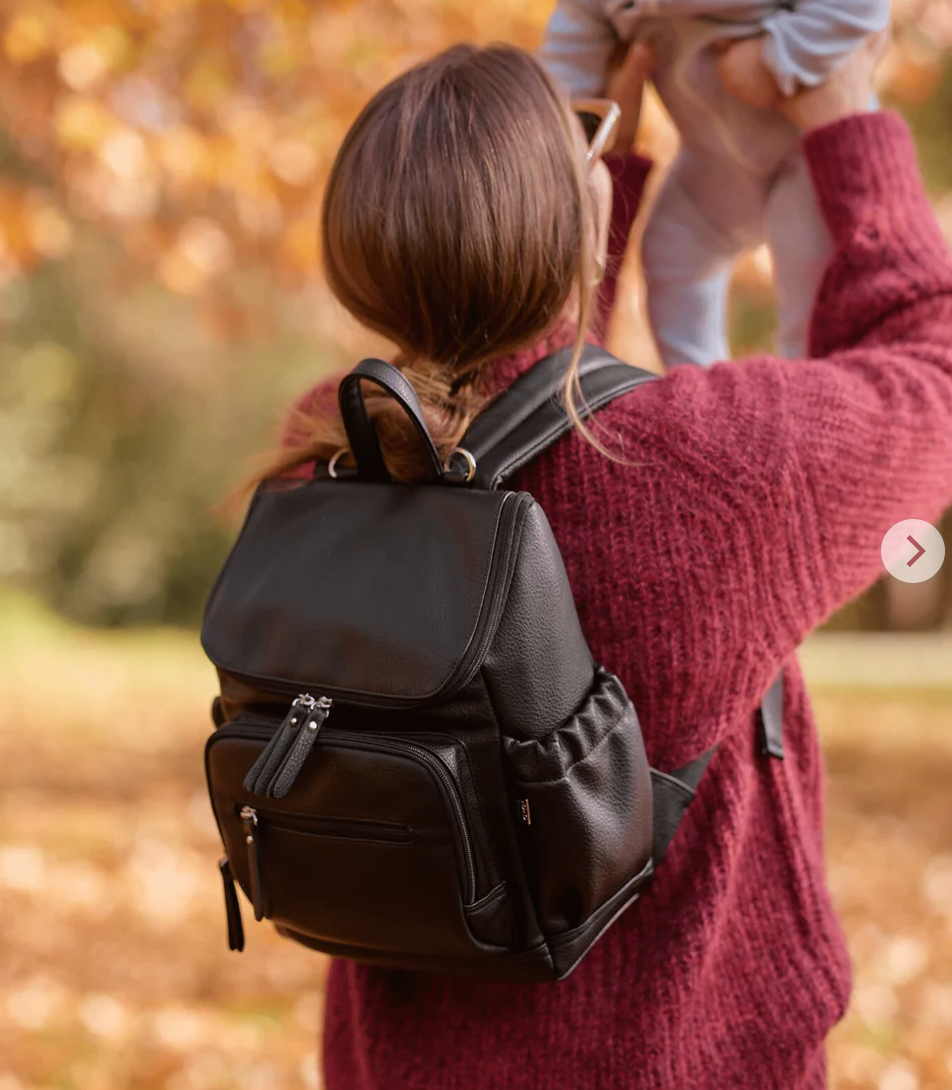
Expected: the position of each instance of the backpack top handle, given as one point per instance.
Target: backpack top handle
(361, 433)
(520, 423)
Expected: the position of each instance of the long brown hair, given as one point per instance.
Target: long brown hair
(458, 222)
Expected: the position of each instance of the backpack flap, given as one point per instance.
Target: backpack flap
(376, 594)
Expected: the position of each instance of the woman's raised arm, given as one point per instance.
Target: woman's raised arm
(810, 462)
(864, 430)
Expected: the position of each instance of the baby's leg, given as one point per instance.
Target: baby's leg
(801, 247)
(689, 248)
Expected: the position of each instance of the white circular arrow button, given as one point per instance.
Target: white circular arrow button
(913, 551)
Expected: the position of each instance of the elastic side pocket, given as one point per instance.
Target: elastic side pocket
(584, 796)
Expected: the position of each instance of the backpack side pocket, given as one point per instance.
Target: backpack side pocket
(584, 796)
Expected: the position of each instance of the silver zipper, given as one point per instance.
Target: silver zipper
(249, 819)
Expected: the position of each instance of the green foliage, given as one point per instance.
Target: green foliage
(122, 422)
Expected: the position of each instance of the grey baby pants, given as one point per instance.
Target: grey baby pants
(739, 180)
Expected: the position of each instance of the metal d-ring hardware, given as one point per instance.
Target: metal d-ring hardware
(467, 458)
(332, 464)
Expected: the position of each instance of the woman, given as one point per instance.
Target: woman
(736, 508)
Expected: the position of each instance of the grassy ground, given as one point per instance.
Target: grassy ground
(113, 970)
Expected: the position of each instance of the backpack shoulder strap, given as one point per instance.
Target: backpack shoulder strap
(672, 792)
(530, 415)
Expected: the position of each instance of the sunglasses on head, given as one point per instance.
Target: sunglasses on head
(599, 118)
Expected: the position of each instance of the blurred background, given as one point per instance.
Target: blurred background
(161, 167)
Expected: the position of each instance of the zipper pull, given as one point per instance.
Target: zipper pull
(261, 772)
(236, 933)
(249, 819)
(292, 764)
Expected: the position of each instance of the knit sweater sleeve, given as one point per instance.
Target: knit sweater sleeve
(791, 472)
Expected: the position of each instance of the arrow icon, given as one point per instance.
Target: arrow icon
(921, 551)
(926, 558)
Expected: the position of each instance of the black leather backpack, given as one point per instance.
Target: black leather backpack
(417, 763)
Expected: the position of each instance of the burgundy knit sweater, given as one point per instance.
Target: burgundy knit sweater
(754, 504)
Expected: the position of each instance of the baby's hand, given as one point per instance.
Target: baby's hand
(746, 75)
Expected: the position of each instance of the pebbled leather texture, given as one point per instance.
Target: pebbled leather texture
(588, 789)
(263, 770)
(290, 768)
(534, 682)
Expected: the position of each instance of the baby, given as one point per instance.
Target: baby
(739, 178)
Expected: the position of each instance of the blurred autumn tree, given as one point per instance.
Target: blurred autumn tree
(161, 166)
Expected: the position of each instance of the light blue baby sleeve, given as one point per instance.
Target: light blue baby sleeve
(806, 43)
(578, 44)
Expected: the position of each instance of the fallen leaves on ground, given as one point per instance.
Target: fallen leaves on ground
(113, 969)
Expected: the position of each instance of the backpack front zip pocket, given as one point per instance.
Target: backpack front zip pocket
(255, 822)
(447, 783)
(371, 820)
